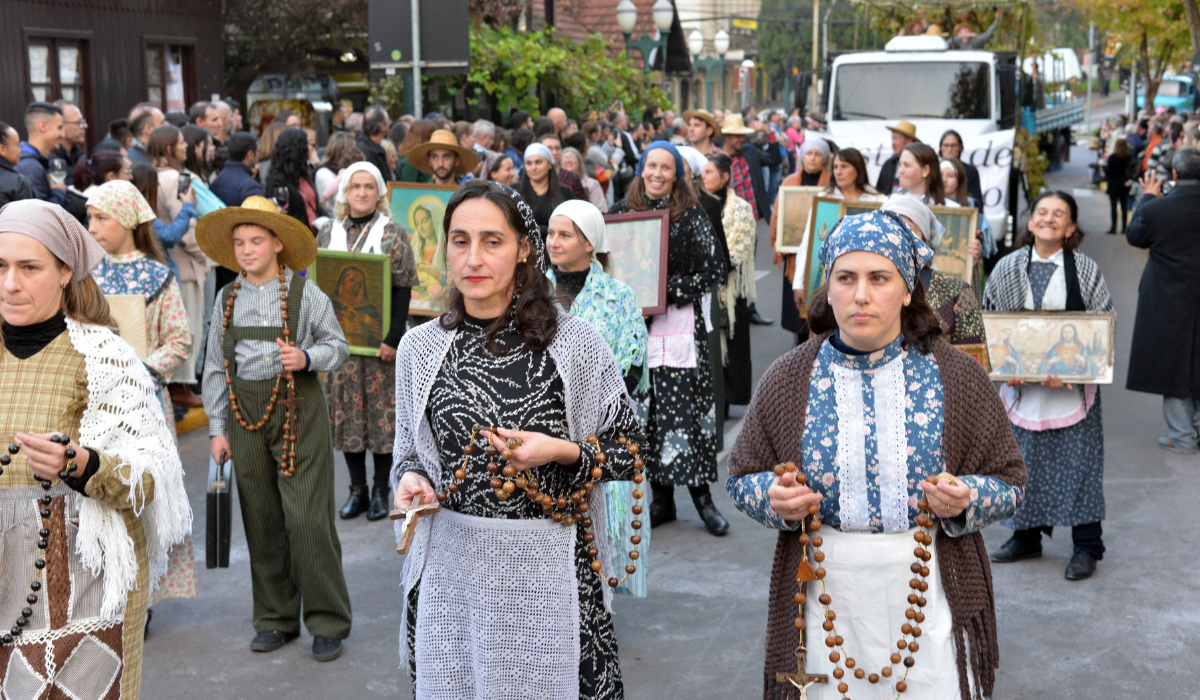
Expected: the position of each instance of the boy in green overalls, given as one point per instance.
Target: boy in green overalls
(272, 332)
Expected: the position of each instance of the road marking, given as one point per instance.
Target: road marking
(759, 274)
(1078, 192)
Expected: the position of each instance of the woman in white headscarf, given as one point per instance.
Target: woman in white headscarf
(361, 392)
(952, 300)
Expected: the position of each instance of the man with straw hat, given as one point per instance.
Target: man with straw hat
(903, 134)
(702, 128)
(266, 409)
(444, 158)
(748, 163)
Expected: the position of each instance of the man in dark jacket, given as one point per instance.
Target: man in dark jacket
(236, 181)
(44, 124)
(74, 140)
(1165, 355)
(13, 185)
(903, 134)
(374, 131)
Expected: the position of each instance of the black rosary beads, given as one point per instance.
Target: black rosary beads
(43, 533)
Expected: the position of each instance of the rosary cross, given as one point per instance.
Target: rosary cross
(410, 515)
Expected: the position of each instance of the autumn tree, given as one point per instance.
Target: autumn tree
(1154, 28)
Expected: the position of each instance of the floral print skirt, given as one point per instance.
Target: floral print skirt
(681, 420)
(362, 405)
(1066, 474)
(180, 579)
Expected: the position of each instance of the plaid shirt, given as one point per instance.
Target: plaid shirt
(742, 184)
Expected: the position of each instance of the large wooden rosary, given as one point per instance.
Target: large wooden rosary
(910, 629)
(287, 456)
(566, 510)
(43, 543)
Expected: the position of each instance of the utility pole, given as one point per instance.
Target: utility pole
(1095, 70)
(418, 107)
(816, 44)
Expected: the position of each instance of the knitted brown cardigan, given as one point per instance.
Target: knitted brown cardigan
(977, 439)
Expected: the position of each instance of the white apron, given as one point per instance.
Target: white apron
(868, 579)
(498, 611)
(373, 244)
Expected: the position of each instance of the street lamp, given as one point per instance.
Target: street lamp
(711, 64)
(664, 15)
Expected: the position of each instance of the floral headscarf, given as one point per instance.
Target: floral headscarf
(123, 202)
(881, 232)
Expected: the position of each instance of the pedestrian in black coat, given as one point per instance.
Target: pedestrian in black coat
(1116, 177)
(1164, 357)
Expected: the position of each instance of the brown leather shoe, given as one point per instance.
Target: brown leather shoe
(182, 395)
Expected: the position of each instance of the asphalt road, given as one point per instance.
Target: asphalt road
(1132, 629)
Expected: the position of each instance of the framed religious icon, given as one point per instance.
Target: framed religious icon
(952, 256)
(360, 287)
(419, 209)
(1076, 347)
(859, 206)
(979, 352)
(129, 311)
(637, 255)
(792, 222)
(822, 217)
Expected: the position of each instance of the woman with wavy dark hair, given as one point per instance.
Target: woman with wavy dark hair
(873, 434)
(200, 151)
(289, 171)
(504, 376)
(681, 405)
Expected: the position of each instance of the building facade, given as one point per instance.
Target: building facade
(107, 55)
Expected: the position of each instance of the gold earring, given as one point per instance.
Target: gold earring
(524, 259)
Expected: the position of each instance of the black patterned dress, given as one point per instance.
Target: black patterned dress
(522, 390)
(681, 420)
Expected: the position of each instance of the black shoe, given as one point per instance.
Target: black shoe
(271, 640)
(1111, 232)
(662, 508)
(714, 522)
(1014, 550)
(380, 507)
(326, 648)
(356, 504)
(758, 320)
(1082, 566)
(149, 616)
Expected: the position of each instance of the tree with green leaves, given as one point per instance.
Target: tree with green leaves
(1156, 29)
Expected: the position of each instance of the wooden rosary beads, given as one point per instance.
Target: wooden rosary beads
(913, 615)
(566, 510)
(43, 533)
(287, 457)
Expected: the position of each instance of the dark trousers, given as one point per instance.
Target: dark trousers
(356, 463)
(1088, 537)
(1115, 199)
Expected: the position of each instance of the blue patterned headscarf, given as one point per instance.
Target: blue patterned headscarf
(666, 146)
(881, 232)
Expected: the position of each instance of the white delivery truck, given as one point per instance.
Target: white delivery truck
(921, 80)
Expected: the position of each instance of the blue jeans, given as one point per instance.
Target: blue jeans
(1183, 421)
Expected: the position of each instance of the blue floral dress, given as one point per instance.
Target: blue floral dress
(894, 399)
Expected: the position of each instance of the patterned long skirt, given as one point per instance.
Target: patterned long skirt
(362, 405)
(1066, 474)
(681, 421)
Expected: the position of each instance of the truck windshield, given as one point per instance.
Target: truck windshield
(912, 90)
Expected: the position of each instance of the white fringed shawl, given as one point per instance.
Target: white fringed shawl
(124, 418)
(593, 390)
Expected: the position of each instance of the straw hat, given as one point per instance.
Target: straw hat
(445, 140)
(733, 125)
(705, 115)
(214, 233)
(905, 128)
(935, 30)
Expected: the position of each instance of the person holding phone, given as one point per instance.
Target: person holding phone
(167, 149)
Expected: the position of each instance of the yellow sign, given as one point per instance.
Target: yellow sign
(745, 23)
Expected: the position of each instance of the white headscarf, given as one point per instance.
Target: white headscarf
(907, 205)
(693, 157)
(540, 151)
(360, 167)
(590, 221)
(814, 142)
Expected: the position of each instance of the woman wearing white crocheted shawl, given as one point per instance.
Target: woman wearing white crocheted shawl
(507, 586)
(91, 489)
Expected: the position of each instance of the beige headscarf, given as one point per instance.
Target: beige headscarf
(51, 225)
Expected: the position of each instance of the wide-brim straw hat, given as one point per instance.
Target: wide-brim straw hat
(706, 116)
(446, 140)
(214, 233)
(906, 128)
(735, 126)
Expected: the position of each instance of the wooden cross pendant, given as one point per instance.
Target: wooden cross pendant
(291, 403)
(801, 678)
(410, 515)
